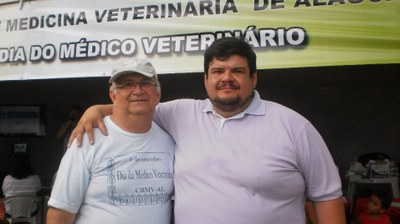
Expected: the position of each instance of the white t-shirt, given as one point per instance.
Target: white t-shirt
(122, 178)
(12, 186)
(26, 186)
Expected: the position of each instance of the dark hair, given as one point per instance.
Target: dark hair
(225, 47)
(386, 198)
(21, 167)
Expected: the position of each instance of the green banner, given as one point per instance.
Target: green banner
(58, 39)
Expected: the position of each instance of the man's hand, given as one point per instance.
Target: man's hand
(92, 118)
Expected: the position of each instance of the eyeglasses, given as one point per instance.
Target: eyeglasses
(130, 85)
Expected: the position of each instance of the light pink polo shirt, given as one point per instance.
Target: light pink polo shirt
(256, 168)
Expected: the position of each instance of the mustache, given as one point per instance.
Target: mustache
(227, 84)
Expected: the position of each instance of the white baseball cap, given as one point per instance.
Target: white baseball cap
(141, 66)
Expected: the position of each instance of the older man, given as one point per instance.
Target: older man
(126, 177)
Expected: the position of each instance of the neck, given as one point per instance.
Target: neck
(228, 114)
(133, 123)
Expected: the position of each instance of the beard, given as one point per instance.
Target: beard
(233, 103)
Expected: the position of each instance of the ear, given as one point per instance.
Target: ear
(159, 95)
(112, 95)
(254, 80)
(205, 80)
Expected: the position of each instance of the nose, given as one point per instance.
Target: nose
(227, 76)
